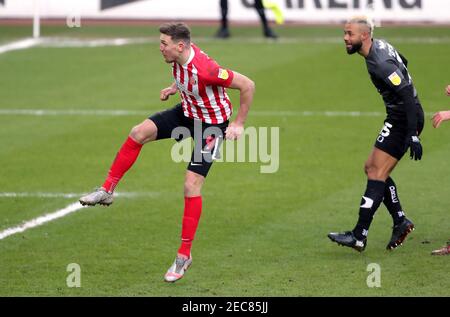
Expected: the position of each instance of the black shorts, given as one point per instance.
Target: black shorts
(172, 123)
(392, 137)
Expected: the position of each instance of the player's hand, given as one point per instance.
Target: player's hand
(440, 116)
(447, 90)
(166, 92)
(234, 131)
(415, 147)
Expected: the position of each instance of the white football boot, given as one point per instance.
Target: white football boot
(179, 266)
(99, 196)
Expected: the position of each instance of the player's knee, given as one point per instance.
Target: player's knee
(366, 168)
(136, 133)
(375, 173)
(370, 170)
(193, 185)
(142, 133)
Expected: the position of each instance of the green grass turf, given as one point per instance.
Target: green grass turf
(260, 234)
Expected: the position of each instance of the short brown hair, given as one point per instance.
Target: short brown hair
(177, 31)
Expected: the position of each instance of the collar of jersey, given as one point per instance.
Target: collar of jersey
(371, 48)
(191, 57)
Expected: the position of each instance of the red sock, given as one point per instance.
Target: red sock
(125, 158)
(192, 212)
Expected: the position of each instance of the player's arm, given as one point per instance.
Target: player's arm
(246, 89)
(404, 89)
(166, 92)
(404, 60)
(407, 96)
(441, 116)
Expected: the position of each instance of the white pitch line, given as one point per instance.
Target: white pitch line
(41, 220)
(67, 42)
(19, 45)
(283, 113)
(279, 113)
(72, 195)
(74, 42)
(57, 214)
(49, 112)
(263, 113)
(63, 42)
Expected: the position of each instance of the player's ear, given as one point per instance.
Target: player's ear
(366, 35)
(363, 36)
(181, 46)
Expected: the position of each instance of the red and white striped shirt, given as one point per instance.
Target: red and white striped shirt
(201, 83)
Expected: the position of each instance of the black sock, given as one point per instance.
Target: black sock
(369, 204)
(392, 202)
(224, 12)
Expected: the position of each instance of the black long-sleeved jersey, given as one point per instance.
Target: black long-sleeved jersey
(388, 72)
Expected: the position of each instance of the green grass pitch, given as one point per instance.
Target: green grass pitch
(260, 234)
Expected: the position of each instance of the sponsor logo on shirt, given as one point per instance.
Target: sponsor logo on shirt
(223, 74)
(395, 79)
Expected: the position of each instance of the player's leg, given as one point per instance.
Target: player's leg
(191, 216)
(156, 127)
(129, 151)
(202, 159)
(402, 225)
(223, 31)
(224, 13)
(142, 133)
(192, 210)
(262, 15)
(391, 198)
(378, 167)
(394, 143)
(392, 140)
(445, 250)
(392, 201)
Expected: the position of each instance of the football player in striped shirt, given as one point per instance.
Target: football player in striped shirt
(203, 113)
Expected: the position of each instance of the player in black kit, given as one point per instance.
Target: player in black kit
(401, 130)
